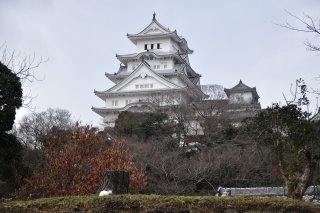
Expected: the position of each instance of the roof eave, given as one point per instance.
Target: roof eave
(100, 94)
(124, 59)
(104, 111)
(115, 78)
(194, 87)
(134, 92)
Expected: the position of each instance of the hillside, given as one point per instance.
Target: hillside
(156, 203)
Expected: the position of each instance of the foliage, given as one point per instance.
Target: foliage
(144, 125)
(300, 98)
(10, 97)
(218, 128)
(74, 166)
(157, 203)
(294, 142)
(171, 170)
(35, 127)
(11, 167)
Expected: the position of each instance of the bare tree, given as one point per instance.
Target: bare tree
(306, 24)
(173, 170)
(35, 126)
(23, 66)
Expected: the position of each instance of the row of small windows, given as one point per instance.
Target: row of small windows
(150, 57)
(157, 66)
(115, 102)
(152, 46)
(144, 86)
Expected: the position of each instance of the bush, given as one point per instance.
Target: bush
(143, 124)
(74, 168)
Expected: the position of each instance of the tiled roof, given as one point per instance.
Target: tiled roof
(241, 87)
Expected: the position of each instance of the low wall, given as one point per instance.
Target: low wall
(261, 191)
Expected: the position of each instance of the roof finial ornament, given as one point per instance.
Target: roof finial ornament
(154, 16)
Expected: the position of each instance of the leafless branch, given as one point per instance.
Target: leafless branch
(23, 66)
(309, 25)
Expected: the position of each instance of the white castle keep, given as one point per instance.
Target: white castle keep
(159, 74)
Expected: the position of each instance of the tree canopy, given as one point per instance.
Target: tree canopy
(34, 126)
(74, 166)
(294, 143)
(10, 97)
(11, 167)
(143, 124)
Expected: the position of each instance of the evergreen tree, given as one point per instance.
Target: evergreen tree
(10, 97)
(294, 143)
(11, 167)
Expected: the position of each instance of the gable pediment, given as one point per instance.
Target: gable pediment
(142, 79)
(153, 28)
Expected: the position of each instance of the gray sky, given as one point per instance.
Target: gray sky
(232, 40)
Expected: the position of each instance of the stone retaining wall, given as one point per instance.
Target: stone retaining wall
(262, 191)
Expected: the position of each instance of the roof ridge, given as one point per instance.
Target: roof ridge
(154, 20)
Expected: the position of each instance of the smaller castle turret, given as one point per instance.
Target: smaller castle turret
(242, 94)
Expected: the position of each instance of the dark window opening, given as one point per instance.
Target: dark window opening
(146, 46)
(152, 46)
(158, 46)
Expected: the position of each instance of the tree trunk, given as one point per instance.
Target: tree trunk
(116, 181)
(302, 183)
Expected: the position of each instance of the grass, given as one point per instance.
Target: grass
(157, 203)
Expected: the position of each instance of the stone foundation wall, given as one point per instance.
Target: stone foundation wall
(262, 191)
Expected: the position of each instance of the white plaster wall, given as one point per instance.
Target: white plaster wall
(169, 62)
(164, 44)
(173, 98)
(143, 81)
(161, 62)
(177, 81)
(122, 101)
(109, 102)
(162, 100)
(241, 98)
(174, 46)
(131, 66)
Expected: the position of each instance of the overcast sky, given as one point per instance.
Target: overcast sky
(231, 39)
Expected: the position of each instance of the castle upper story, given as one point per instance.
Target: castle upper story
(162, 49)
(157, 38)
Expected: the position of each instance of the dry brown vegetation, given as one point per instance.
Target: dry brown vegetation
(75, 161)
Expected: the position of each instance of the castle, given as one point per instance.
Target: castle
(159, 74)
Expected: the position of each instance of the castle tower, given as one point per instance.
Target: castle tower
(158, 74)
(242, 94)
